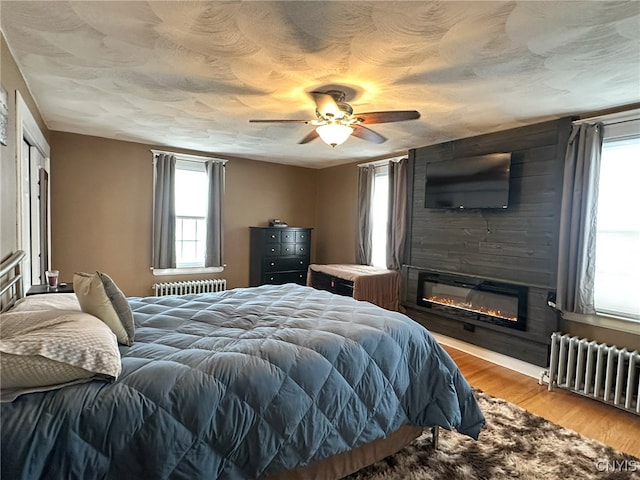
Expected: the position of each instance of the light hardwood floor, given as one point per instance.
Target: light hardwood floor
(593, 419)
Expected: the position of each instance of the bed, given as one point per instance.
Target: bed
(276, 381)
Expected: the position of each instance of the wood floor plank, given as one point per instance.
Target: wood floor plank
(593, 419)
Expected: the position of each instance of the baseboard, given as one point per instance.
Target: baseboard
(499, 359)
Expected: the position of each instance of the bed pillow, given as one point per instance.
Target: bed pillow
(100, 296)
(47, 301)
(50, 349)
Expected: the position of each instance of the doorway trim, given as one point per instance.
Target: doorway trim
(27, 128)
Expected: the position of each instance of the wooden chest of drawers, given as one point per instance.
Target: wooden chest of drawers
(279, 255)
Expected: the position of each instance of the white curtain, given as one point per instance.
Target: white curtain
(577, 246)
(164, 212)
(214, 245)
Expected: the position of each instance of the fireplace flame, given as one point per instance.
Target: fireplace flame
(449, 302)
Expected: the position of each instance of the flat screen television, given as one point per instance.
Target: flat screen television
(469, 182)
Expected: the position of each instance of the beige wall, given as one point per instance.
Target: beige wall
(336, 215)
(101, 193)
(12, 81)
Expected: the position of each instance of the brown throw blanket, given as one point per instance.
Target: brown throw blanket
(371, 284)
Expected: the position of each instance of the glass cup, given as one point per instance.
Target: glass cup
(52, 278)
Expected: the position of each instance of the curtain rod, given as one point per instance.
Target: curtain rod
(611, 116)
(186, 156)
(384, 161)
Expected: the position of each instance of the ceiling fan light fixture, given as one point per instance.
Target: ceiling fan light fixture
(335, 120)
(334, 134)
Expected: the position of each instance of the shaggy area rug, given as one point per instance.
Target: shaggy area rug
(515, 444)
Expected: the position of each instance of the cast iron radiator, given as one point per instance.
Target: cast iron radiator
(192, 286)
(605, 373)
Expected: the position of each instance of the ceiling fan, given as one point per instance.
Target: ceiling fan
(335, 120)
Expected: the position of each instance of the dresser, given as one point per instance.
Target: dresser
(279, 255)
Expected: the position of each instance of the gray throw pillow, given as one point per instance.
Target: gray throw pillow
(99, 295)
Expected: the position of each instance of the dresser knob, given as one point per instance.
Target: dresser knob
(272, 264)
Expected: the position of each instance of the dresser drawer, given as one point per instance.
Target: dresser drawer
(272, 235)
(303, 237)
(272, 249)
(294, 249)
(322, 281)
(279, 278)
(288, 236)
(275, 264)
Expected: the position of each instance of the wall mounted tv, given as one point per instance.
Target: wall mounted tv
(469, 182)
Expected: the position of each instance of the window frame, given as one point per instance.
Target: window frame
(607, 309)
(183, 218)
(616, 126)
(183, 157)
(198, 167)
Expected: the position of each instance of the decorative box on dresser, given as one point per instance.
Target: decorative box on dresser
(279, 255)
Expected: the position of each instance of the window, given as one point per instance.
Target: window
(191, 213)
(617, 272)
(379, 213)
(188, 211)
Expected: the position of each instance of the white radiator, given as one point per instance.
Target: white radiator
(595, 370)
(192, 286)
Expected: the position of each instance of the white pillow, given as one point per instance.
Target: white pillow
(47, 301)
(45, 350)
(100, 296)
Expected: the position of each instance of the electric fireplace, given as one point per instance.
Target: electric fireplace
(469, 298)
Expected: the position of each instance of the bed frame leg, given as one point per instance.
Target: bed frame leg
(435, 435)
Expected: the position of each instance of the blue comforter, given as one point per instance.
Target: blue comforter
(240, 384)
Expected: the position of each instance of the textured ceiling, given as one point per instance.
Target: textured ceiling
(191, 74)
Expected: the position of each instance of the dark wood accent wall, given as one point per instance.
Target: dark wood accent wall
(515, 245)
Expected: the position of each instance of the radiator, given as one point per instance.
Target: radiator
(608, 374)
(192, 286)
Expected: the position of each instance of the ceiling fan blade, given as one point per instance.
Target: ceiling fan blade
(367, 134)
(281, 121)
(387, 117)
(312, 135)
(326, 105)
